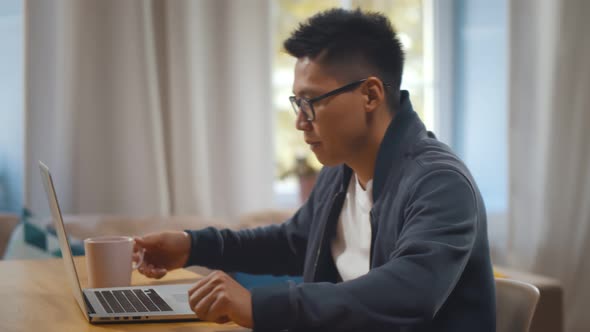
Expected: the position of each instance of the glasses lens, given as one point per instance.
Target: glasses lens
(303, 106)
(306, 109)
(294, 105)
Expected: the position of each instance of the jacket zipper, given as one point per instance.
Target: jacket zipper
(373, 233)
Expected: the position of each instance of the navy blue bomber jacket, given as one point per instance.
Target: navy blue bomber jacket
(430, 266)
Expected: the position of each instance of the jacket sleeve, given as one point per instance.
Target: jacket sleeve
(431, 253)
(274, 249)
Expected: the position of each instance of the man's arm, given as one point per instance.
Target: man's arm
(432, 251)
(274, 249)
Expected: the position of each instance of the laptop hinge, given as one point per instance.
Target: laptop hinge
(89, 307)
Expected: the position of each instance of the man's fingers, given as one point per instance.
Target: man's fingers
(213, 307)
(138, 243)
(201, 306)
(199, 291)
(152, 272)
(199, 284)
(136, 257)
(218, 310)
(158, 273)
(222, 320)
(150, 241)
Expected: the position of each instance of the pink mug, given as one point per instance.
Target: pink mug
(109, 261)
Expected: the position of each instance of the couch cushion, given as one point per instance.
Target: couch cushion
(35, 238)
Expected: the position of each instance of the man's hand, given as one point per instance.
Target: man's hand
(163, 252)
(219, 298)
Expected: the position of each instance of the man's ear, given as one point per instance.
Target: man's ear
(374, 91)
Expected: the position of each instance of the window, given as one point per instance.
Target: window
(456, 72)
(408, 18)
(11, 106)
(480, 103)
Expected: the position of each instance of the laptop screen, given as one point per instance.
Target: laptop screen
(63, 239)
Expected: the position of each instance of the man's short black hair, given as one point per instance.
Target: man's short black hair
(357, 43)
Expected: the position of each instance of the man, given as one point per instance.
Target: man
(393, 236)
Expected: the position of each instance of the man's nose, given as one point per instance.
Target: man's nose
(301, 122)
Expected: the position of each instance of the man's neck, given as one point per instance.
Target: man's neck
(365, 167)
(364, 163)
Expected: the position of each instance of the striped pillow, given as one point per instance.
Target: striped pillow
(36, 239)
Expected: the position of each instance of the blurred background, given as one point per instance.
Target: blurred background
(180, 108)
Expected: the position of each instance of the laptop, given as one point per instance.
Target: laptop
(117, 304)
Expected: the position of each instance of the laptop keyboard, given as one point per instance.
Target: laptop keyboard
(130, 301)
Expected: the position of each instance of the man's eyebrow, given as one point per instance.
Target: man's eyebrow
(305, 92)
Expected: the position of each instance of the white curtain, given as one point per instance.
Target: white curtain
(149, 107)
(550, 146)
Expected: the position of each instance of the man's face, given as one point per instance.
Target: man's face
(339, 129)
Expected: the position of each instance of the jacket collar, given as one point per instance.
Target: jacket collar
(405, 128)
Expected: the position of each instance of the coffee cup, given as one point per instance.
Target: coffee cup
(109, 261)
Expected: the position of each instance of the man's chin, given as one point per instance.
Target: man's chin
(327, 161)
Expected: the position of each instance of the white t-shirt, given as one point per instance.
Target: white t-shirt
(351, 249)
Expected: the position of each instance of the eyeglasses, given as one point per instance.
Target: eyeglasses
(305, 105)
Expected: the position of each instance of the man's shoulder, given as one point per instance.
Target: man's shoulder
(432, 159)
(429, 154)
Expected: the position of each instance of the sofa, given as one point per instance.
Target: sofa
(7, 224)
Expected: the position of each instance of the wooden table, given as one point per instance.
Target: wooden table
(35, 295)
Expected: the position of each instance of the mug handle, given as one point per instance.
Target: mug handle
(135, 265)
